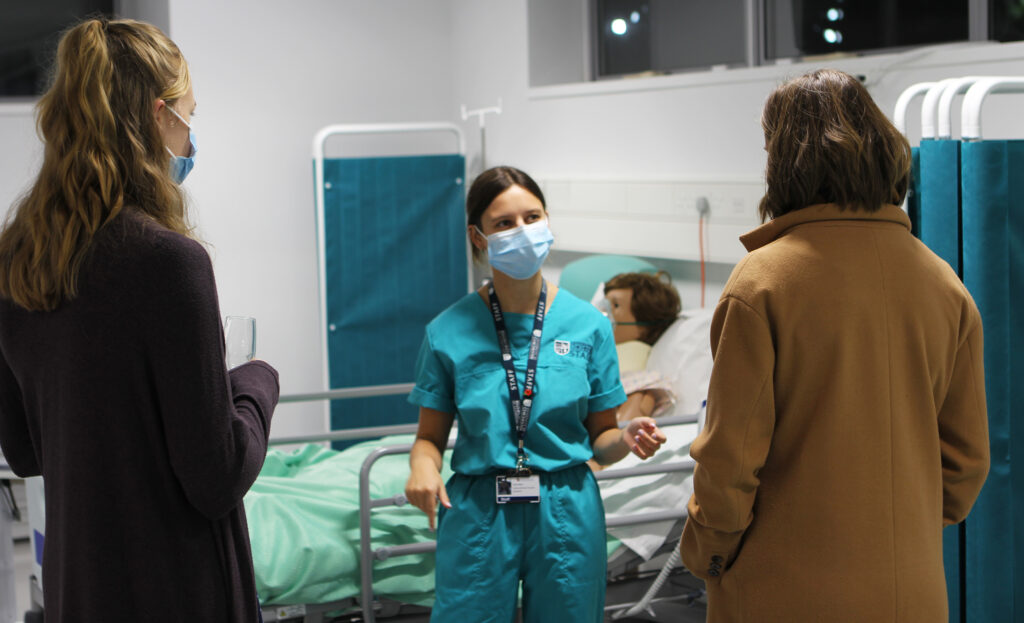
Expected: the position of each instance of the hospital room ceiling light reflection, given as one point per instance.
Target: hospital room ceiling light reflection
(833, 36)
(619, 26)
(834, 15)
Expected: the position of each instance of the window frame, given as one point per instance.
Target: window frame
(756, 56)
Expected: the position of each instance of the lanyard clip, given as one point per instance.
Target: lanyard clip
(521, 460)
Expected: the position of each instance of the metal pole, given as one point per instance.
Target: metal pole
(755, 46)
(365, 391)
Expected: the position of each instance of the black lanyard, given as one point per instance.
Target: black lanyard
(520, 406)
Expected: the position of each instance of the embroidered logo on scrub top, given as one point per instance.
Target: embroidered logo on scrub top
(578, 350)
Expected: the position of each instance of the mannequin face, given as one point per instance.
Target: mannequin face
(621, 301)
(172, 129)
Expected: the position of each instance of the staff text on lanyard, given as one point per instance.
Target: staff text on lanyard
(521, 405)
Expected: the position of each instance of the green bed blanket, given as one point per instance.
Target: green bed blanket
(303, 514)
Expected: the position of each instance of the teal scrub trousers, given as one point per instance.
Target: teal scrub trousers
(556, 547)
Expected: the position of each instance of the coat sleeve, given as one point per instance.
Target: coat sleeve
(963, 426)
(216, 424)
(15, 438)
(734, 445)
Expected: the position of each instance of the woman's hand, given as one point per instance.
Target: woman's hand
(643, 437)
(424, 488)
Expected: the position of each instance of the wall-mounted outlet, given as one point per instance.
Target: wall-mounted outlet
(703, 207)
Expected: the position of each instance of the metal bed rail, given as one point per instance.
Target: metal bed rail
(366, 601)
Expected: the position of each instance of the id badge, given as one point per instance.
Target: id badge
(513, 489)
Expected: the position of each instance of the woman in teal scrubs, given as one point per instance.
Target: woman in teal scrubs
(532, 376)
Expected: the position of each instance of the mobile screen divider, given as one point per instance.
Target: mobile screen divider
(970, 204)
(319, 149)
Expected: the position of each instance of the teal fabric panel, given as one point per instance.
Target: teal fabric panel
(933, 204)
(940, 199)
(395, 238)
(582, 276)
(914, 192)
(993, 235)
(953, 560)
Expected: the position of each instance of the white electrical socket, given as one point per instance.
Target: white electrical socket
(703, 207)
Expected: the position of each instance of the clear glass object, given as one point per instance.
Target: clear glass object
(240, 340)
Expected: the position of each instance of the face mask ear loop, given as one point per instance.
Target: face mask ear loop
(481, 233)
(175, 113)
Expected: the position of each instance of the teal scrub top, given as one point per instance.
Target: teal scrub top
(459, 371)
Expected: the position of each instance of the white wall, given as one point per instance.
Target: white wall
(20, 151)
(267, 76)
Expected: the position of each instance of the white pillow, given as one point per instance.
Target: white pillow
(683, 355)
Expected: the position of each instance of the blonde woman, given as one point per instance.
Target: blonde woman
(113, 384)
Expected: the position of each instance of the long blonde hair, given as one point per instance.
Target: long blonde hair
(103, 152)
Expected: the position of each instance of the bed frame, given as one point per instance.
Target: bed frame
(368, 607)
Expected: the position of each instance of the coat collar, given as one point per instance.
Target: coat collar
(776, 227)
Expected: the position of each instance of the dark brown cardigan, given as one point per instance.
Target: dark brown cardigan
(121, 400)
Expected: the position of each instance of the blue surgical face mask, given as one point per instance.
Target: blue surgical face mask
(182, 165)
(519, 252)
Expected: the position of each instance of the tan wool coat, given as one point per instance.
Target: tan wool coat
(846, 425)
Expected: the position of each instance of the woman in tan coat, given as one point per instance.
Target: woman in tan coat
(846, 419)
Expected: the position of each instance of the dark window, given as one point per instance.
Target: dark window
(29, 32)
(624, 36)
(663, 36)
(812, 27)
(1006, 20)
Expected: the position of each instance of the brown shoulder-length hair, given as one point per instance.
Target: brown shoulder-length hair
(655, 301)
(486, 188)
(102, 152)
(828, 142)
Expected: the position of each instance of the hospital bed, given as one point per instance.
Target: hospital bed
(380, 575)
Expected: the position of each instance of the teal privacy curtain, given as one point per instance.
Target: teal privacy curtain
(395, 244)
(914, 192)
(993, 242)
(940, 199)
(935, 203)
